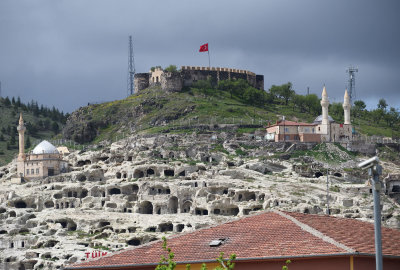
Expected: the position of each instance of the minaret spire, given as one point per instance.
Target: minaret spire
(21, 130)
(325, 105)
(346, 108)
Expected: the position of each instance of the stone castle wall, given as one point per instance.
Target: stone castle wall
(190, 74)
(141, 81)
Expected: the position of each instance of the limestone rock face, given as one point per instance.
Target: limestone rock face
(143, 187)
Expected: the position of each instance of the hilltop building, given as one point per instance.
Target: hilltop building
(323, 129)
(266, 241)
(175, 81)
(44, 160)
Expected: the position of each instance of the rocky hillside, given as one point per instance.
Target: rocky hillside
(146, 186)
(201, 106)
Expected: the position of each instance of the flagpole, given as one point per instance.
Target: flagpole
(209, 57)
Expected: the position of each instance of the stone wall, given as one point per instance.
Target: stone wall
(362, 147)
(192, 74)
(171, 81)
(141, 81)
(189, 74)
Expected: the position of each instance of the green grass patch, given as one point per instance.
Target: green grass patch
(240, 152)
(218, 147)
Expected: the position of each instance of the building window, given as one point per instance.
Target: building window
(287, 137)
(313, 130)
(286, 129)
(37, 171)
(296, 138)
(27, 171)
(319, 129)
(32, 171)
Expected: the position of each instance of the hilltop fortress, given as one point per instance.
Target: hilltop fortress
(175, 81)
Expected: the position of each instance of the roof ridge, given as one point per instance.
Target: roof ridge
(314, 232)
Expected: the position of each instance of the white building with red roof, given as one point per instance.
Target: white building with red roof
(323, 129)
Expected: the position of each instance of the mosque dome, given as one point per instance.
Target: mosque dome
(318, 120)
(45, 148)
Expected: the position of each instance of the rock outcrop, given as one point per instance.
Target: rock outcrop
(143, 187)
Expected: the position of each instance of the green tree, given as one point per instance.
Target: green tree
(286, 266)
(358, 108)
(312, 103)
(336, 110)
(171, 68)
(283, 92)
(391, 117)
(7, 102)
(27, 142)
(377, 115)
(12, 139)
(2, 137)
(299, 101)
(253, 96)
(205, 87)
(55, 127)
(382, 104)
(166, 263)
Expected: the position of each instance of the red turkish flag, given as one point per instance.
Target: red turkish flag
(204, 48)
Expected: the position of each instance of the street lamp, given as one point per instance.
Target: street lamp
(374, 170)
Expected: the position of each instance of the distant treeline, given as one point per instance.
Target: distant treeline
(45, 120)
(33, 107)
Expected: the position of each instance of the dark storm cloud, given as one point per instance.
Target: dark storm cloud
(69, 53)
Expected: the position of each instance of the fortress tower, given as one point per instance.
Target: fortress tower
(346, 108)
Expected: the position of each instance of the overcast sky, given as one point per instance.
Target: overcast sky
(67, 53)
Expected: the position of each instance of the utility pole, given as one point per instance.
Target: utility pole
(131, 68)
(375, 170)
(327, 192)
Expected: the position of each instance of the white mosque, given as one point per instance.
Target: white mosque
(44, 160)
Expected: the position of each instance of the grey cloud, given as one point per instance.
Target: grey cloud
(69, 53)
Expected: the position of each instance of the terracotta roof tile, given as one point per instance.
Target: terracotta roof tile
(353, 233)
(270, 234)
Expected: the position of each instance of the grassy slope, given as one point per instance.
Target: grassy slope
(184, 106)
(195, 106)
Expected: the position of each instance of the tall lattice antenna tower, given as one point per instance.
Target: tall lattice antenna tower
(352, 83)
(131, 68)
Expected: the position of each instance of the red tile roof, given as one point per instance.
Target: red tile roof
(267, 235)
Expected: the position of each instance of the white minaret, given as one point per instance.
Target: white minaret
(346, 108)
(324, 105)
(21, 130)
